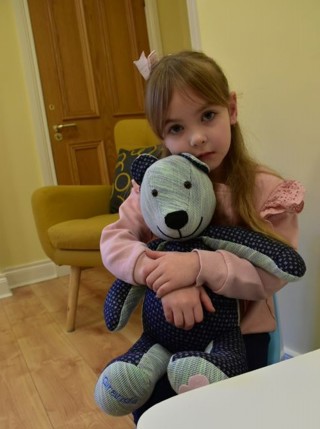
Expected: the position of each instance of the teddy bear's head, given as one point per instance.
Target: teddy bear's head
(177, 196)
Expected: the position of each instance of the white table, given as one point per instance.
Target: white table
(280, 396)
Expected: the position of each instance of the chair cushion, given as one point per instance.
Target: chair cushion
(122, 173)
(80, 234)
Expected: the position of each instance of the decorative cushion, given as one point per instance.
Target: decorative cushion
(122, 175)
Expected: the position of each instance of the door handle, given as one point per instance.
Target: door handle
(60, 127)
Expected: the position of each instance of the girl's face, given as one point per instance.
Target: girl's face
(204, 130)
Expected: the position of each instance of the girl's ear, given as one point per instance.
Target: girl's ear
(233, 108)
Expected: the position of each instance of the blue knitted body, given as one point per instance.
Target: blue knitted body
(214, 346)
(178, 188)
(158, 330)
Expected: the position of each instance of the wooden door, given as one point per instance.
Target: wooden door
(85, 51)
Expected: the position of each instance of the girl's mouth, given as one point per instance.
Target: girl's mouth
(205, 155)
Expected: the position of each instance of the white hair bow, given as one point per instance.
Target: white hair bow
(145, 65)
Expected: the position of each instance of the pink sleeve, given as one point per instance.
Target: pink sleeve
(231, 276)
(281, 210)
(123, 241)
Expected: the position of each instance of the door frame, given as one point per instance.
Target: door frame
(33, 82)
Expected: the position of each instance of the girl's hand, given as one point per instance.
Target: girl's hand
(172, 271)
(184, 307)
(144, 266)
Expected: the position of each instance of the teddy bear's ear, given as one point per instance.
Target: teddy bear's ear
(140, 166)
(195, 161)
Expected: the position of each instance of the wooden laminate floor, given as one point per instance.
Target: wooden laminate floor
(47, 375)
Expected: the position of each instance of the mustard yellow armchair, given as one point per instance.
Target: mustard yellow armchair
(69, 219)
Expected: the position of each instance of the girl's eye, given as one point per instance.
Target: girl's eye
(208, 116)
(175, 129)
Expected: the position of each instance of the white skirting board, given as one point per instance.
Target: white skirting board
(28, 274)
(4, 287)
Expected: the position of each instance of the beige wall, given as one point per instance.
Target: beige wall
(271, 54)
(173, 22)
(19, 172)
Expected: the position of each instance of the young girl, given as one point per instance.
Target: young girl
(190, 107)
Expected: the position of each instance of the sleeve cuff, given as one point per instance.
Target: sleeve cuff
(213, 269)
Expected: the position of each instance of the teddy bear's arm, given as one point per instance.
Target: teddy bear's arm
(122, 299)
(266, 253)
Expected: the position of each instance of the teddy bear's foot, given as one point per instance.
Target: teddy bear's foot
(190, 372)
(123, 387)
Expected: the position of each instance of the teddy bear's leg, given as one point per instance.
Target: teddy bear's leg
(128, 381)
(223, 358)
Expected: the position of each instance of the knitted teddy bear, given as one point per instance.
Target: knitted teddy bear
(177, 202)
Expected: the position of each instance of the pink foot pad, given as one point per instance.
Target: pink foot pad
(194, 382)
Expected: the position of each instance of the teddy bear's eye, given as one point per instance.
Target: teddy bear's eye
(154, 193)
(187, 184)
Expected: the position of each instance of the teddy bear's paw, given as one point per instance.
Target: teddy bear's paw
(180, 371)
(193, 383)
(120, 303)
(122, 388)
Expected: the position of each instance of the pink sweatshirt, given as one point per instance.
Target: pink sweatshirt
(276, 200)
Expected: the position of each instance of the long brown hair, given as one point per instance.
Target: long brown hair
(196, 71)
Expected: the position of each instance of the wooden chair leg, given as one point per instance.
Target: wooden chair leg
(74, 284)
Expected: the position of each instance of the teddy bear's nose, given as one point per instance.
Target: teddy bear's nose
(176, 220)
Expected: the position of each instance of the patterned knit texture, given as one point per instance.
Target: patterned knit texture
(124, 386)
(271, 255)
(118, 390)
(213, 348)
(121, 301)
(177, 205)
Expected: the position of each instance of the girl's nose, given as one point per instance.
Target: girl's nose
(197, 139)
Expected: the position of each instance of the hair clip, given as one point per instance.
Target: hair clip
(145, 65)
